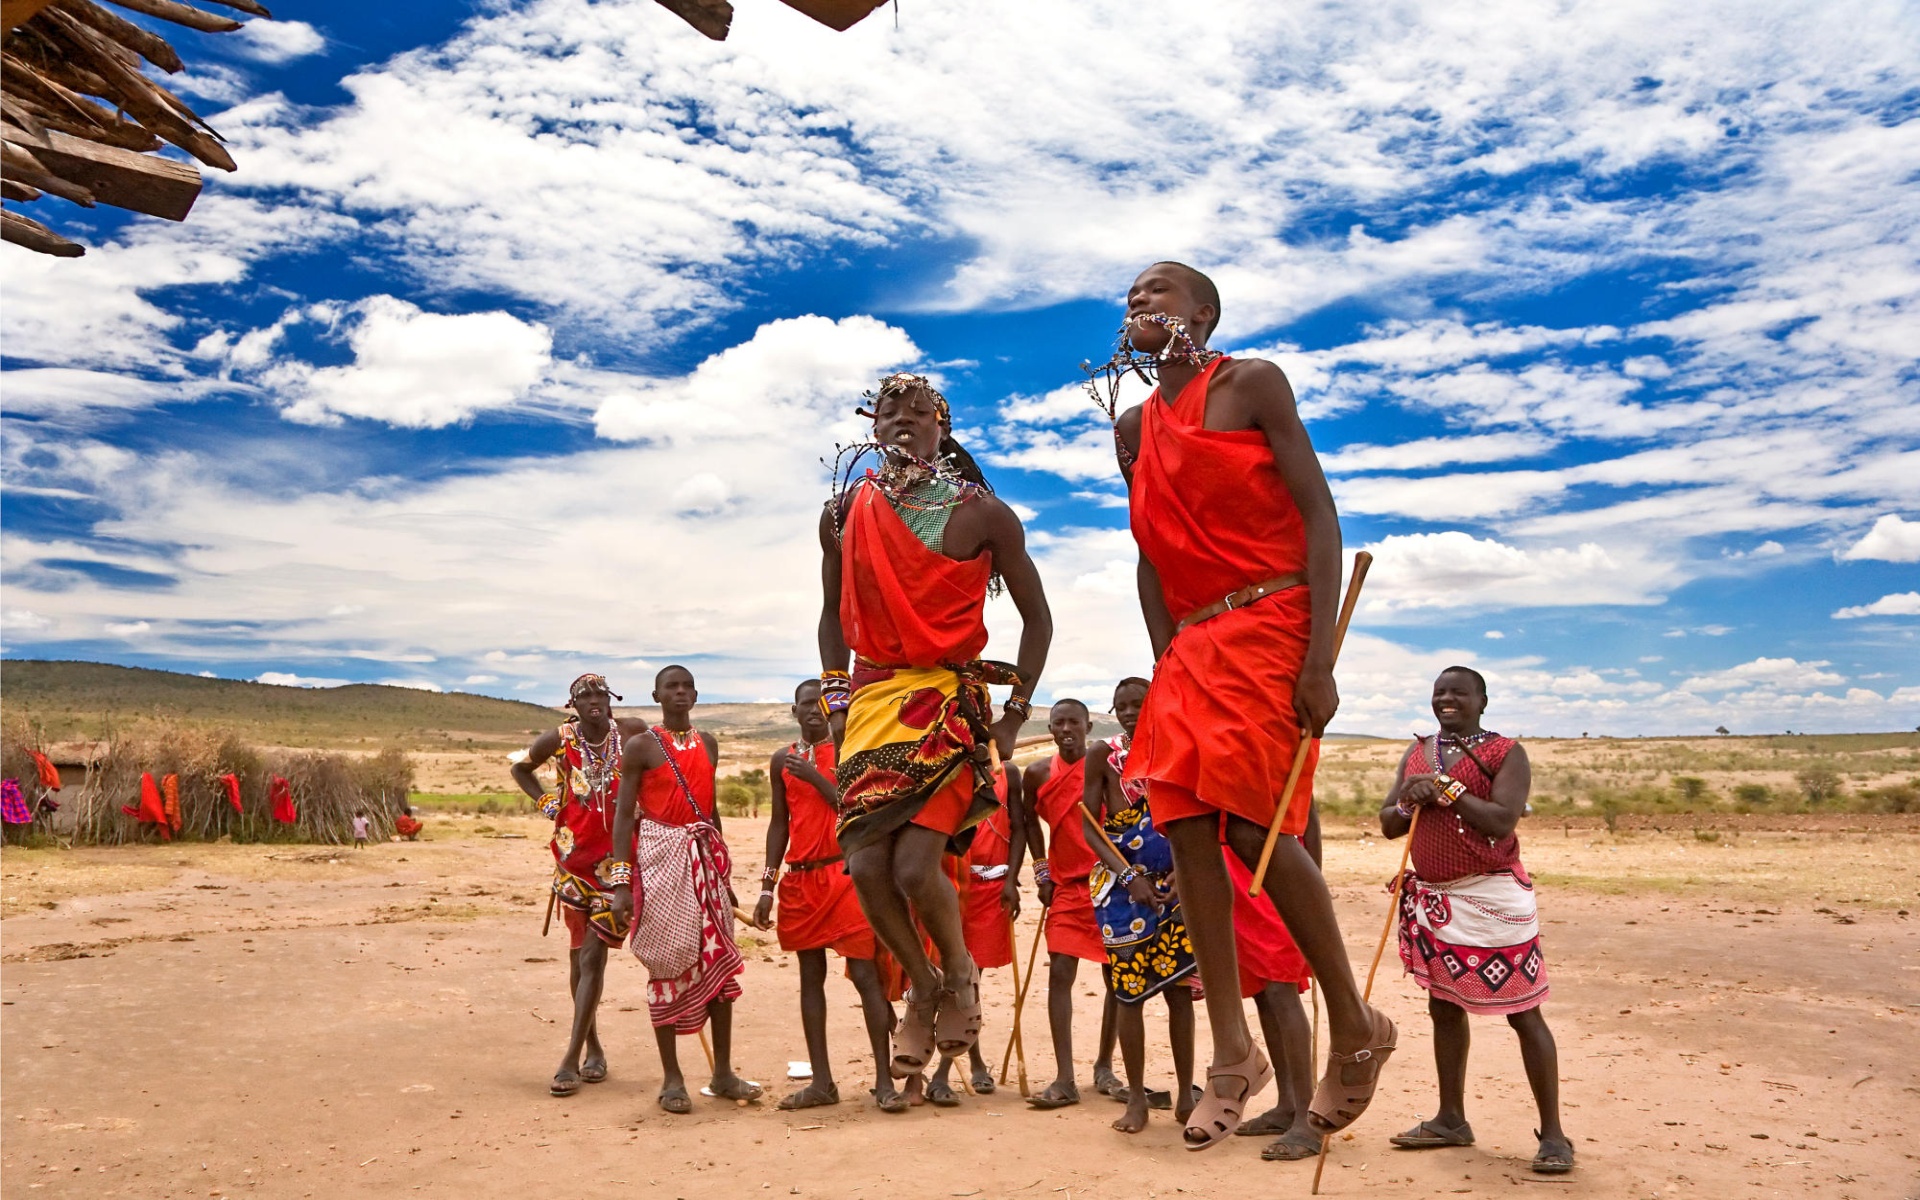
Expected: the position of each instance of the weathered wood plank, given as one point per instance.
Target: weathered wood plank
(143, 183)
(836, 14)
(25, 231)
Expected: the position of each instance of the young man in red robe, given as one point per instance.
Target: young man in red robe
(683, 931)
(1240, 585)
(585, 752)
(909, 553)
(1054, 789)
(989, 905)
(818, 907)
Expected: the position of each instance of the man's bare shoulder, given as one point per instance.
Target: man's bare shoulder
(1128, 422)
(1258, 379)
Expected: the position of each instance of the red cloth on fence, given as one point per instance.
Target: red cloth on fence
(49, 774)
(1210, 511)
(170, 791)
(152, 810)
(280, 800)
(901, 603)
(232, 785)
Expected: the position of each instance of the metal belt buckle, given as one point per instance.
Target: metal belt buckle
(1228, 600)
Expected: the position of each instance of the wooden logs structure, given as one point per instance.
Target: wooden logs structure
(80, 119)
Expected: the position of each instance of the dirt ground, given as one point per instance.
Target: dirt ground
(1737, 1017)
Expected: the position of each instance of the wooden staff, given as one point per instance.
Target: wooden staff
(1016, 1044)
(708, 1047)
(1361, 561)
(548, 923)
(1393, 912)
(1020, 998)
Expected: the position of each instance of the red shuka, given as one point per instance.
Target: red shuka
(1211, 512)
(989, 939)
(49, 774)
(902, 604)
(231, 784)
(661, 797)
(1071, 927)
(819, 909)
(280, 800)
(1266, 950)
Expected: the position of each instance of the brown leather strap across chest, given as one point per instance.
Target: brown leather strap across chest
(1250, 594)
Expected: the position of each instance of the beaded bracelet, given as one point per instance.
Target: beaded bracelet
(1041, 872)
(1450, 787)
(1400, 806)
(1129, 875)
(620, 874)
(549, 806)
(1019, 704)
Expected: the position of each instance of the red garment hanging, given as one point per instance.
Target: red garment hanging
(232, 784)
(152, 809)
(170, 790)
(49, 774)
(280, 796)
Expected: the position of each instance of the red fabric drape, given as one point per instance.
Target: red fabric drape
(49, 774)
(152, 810)
(280, 799)
(1211, 512)
(232, 785)
(901, 604)
(170, 791)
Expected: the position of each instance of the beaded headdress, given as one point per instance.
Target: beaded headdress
(588, 684)
(901, 382)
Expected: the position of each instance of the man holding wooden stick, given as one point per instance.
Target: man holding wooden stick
(1239, 580)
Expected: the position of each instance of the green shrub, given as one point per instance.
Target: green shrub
(1692, 788)
(1893, 798)
(1754, 795)
(1820, 783)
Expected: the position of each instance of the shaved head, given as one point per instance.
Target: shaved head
(1203, 290)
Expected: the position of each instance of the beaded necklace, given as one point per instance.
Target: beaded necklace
(1128, 359)
(685, 739)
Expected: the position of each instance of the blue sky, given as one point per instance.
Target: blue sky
(515, 345)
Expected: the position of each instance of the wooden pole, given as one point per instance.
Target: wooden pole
(1361, 562)
(1016, 1044)
(548, 923)
(708, 1047)
(1020, 1000)
(1393, 912)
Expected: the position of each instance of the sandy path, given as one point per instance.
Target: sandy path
(379, 1025)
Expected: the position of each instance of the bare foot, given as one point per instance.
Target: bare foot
(1271, 1123)
(1182, 1111)
(1135, 1118)
(815, 1095)
(916, 1090)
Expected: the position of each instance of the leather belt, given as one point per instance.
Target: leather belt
(1250, 594)
(814, 864)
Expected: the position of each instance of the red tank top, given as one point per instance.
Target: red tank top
(810, 818)
(661, 796)
(902, 604)
(1445, 847)
(1209, 508)
(1069, 858)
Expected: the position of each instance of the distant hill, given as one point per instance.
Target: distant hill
(81, 700)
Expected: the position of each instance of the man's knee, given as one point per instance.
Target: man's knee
(813, 968)
(869, 869)
(1530, 1021)
(1444, 1011)
(1061, 969)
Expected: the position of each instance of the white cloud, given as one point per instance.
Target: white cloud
(1769, 673)
(418, 685)
(1494, 634)
(1457, 570)
(278, 41)
(1435, 452)
(22, 620)
(701, 495)
(799, 374)
(1766, 549)
(288, 679)
(128, 628)
(1897, 604)
(414, 369)
(1892, 539)
(481, 679)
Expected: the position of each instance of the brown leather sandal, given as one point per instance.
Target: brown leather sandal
(914, 1048)
(1351, 1079)
(957, 1027)
(1217, 1115)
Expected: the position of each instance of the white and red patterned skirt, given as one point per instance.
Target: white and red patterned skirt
(1474, 941)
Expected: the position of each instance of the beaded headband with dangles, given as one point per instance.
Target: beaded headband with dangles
(1129, 359)
(588, 684)
(901, 473)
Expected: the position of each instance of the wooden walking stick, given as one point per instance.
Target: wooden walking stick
(548, 923)
(1020, 999)
(1393, 913)
(708, 1047)
(1016, 1044)
(1361, 561)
